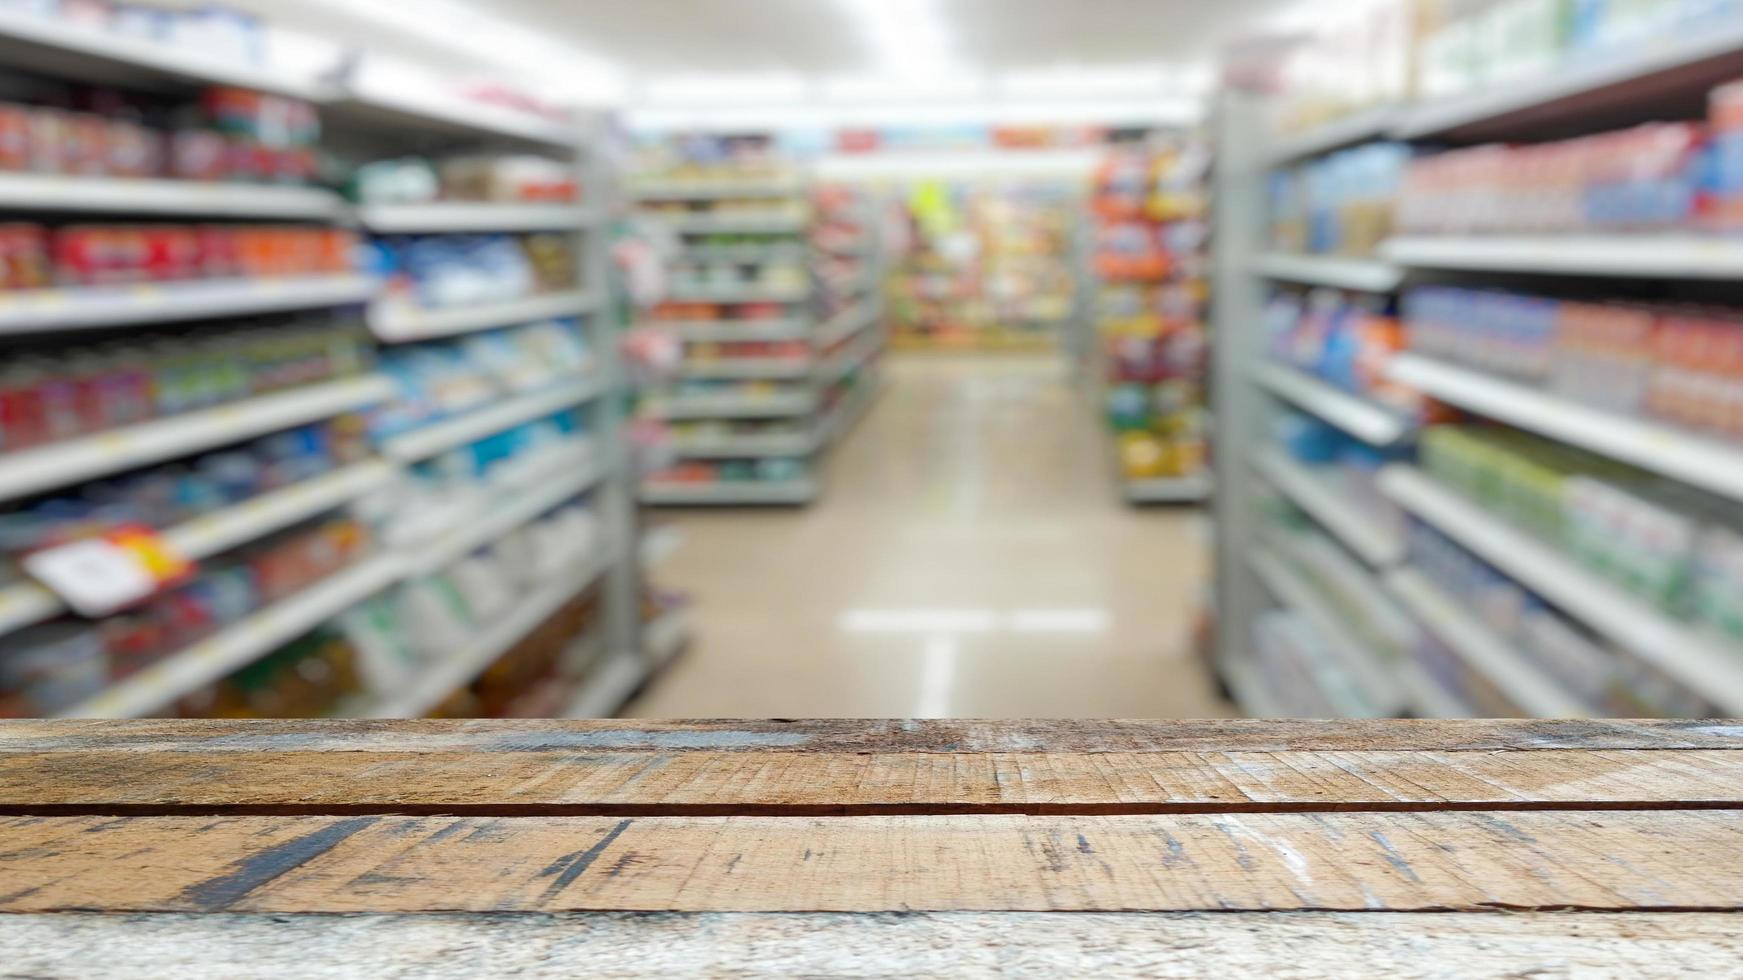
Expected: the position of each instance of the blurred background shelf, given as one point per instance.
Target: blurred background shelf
(1677, 649)
(735, 331)
(1168, 490)
(466, 216)
(1359, 417)
(29, 471)
(1643, 255)
(506, 511)
(1367, 275)
(142, 195)
(90, 307)
(397, 321)
(1380, 687)
(503, 413)
(730, 493)
(734, 406)
(1378, 546)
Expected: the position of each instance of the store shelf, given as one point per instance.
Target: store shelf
(395, 321)
(1168, 490)
(1522, 682)
(1366, 275)
(698, 292)
(1611, 80)
(743, 492)
(610, 685)
(434, 217)
(1378, 683)
(730, 222)
(1355, 128)
(436, 681)
(1251, 694)
(667, 635)
(504, 515)
(1359, 417)
(845, 324)
(372, 99)
(1711, 668)
(1695, 459)
(747, 368)
(745, 253)
(1335, 511)
(1427, 699)
(39, 310)
(239, 644)
(122, 195)
(734, 406)
(30, 471)
(87, 53)
(847, 412)
(746, 446)
(711, 190)
(1640, 256)
(849, 359)
(501, 414)
(727, 331)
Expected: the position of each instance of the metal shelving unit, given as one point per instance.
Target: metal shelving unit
(840, 327)
(363, 112)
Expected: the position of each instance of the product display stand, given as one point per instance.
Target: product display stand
(757, 400)
(1337, 601)
(362, 121)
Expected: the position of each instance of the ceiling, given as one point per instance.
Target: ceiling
(820, 37)
(815, 39)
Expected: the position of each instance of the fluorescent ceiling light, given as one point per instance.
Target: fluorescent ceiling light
(726, 88)
(907, 37)
(859, 89)
(1103, 112)
(1084, 81)
(464, 28)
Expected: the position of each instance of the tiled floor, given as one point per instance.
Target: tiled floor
(968, 558)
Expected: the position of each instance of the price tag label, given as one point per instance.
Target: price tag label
(102, 575)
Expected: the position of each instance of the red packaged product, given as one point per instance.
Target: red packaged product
(217, 250)
(14, 137)
(85, 144)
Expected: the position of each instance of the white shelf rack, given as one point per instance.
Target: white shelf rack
(441, 217)
(735, 406)
(91, 307)
(89, 53)
(666, 636)
(1712, 668)
(748, 368)
(1379, 683)
(751, 292)
(1168, 490)
(728, 331)
(1690, 60)
(1427, 698)
(705, 189)
(239, 644)
(846, 323)
(138, 195)
(1355, 128)
(1338, 272)
(501, 414)
(1359, 417)
(26, 603)
(1522, 682)
(850, 410)
(793, 445)
(1692, 458)
(371, 96)
(745, 253)
(851, 357)
(396, 321)
(1643, 256)
(471, 656)
(1251, 694)
(732, 222)
(1379, 546)
(743, 492)
(503, 515)
(32, 471)
(610, 685)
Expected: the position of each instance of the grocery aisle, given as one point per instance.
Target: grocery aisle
(970, 559)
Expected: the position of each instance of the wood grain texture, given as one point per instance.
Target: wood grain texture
(705, 782)
(874, 736)
(1334, 861)
(1010, 946)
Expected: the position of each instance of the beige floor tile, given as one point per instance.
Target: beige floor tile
(969, 557)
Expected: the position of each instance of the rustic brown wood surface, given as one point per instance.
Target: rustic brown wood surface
(1491, 843)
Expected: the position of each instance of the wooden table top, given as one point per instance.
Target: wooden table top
(907, 848)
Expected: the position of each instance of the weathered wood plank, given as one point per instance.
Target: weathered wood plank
(1335, 861)
(876, 736)
(1010, 946)
(713, 782)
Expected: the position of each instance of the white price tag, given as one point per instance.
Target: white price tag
(95, 577)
